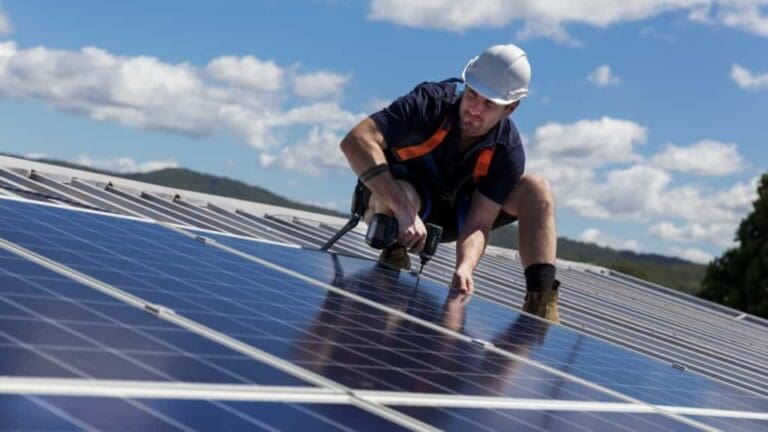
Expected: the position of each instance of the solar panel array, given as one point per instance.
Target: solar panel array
(171, 313)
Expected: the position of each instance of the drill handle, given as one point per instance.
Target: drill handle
(434, 234)
(382, 231)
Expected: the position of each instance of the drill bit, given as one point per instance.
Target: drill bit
(418, 275)
(418, 278)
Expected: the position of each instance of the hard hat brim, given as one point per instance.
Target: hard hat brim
(469, 79)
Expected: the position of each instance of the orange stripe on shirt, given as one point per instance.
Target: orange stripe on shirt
(427, 146)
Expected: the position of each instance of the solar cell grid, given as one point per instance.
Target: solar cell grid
(462, 419)
(21, 413)
(734, 424)
(355, 344)
(57, 413)
(605, 364)
(221, 285)
(585, 309)
(52, 326)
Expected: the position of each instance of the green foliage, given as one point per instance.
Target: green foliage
(739, 278)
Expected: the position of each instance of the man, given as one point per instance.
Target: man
(449, 154)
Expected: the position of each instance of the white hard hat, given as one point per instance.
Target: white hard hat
(500, 74)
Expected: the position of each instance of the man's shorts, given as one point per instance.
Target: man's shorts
(451, 215)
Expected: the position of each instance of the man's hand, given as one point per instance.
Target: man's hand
(411, 231)
(462, 280)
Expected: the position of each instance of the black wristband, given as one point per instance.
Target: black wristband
(373, 172)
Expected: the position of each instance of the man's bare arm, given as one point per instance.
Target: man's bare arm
(364, 149)
(472, 240)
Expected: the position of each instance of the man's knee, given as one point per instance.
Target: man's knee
(532, 193)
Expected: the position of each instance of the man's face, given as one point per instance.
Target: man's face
(478, 115)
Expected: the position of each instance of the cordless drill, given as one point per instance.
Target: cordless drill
(382, 233)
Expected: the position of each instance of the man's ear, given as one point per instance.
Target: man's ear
(509, 109)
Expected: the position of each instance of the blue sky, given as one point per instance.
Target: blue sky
(648, 119)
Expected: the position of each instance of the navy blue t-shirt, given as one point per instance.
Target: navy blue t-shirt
(413, 118)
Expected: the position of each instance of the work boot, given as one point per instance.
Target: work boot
(395, 256)
(543, 303)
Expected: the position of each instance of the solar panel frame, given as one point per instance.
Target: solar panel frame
(260, 230)
(81, 195)
(45, 190)
(181, 213)
(119, 200)
(299, 238)
(211, 219)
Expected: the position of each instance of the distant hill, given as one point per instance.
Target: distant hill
(668, 271)
(186, 179)
(183, 178)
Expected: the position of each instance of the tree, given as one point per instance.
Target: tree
(740, 277)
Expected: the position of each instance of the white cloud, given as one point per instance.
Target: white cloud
(6, 27)
(603, 77)
(644, 193)
(36, 155)
(720, 233)
(549, 18)
(549, 30)
(593, 235)
(596, 172)
(125, 164)
(707, 158)
(247, 72)
(328, 114)
(745, 15)
(570, 154)
(589, 143)
(693, 255)
(320, 84)
(318, 153)
(243, 97)
(634, 192)
(748, 80)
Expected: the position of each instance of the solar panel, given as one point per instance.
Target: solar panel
(250, 303)
(56, 327)
(666, 325)
(555, 346)
(347, 325)
(103, 413)
(542, 420)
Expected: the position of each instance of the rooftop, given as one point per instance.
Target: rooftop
(175, 308)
